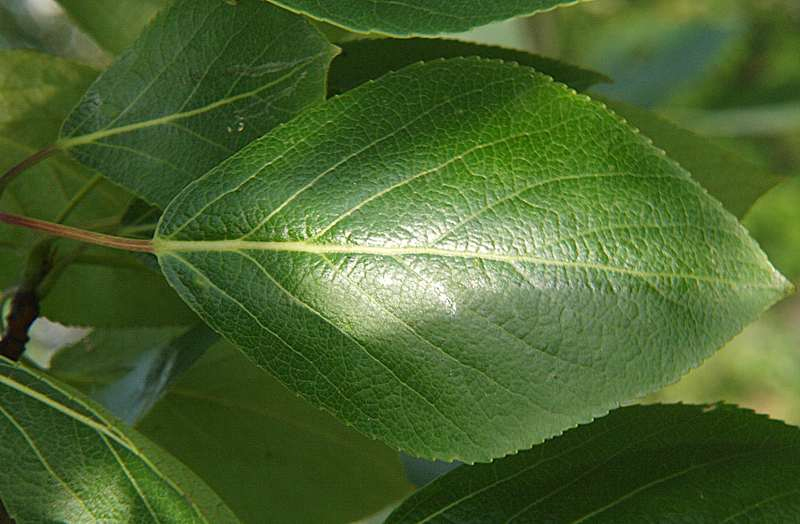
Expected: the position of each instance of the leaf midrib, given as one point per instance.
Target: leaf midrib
(167, 247)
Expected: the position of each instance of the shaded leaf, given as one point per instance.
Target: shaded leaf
(669, 463)
(107, 355)
(106, 289)
(466, 268)
(733, 179)
(235, 426)
(64, 460)
(113, 25)
(416, 17)
(204, 79)
(369, 59)
(36, 91)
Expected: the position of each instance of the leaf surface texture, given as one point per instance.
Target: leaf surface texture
(463, 258)
(204, 79)
(661, 463)
(64, 460)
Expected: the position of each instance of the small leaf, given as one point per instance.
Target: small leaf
(203, 80)
(668, 463)
(734, 180)
(416, 17)
(235, 426)
(113, 25)
(64, 460)
(369, 59)
(463, 258)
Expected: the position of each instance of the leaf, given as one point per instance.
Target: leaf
(463, 258)
(416, 17)
(128, 370)
(204, 79)
(104, 289)
(105, 356)
(733, 179)
(662, 463)
(236, 426)
(36, 91)
(113, 25)
(133, 396)
(369, 59)
(64, 460)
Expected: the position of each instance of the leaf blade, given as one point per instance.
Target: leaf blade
(418, 17)
(447, 256)
(245, 425)
(369, 59)
(89, 448)
(198, 97)
(638, 463)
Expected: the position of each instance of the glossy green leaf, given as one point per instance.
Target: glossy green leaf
(113, 25)
(733, 179)
(236, 426)
(369, 59)
(416, 17)
(64, 460)
(463, 258)
(669, 463)
(204, 79)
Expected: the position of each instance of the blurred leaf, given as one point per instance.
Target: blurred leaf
(107, 355)
(36, 92)
(204, 79)
(64, 460)
(416, 17)
(107, 289)
(363, 60)
(236, 426)
(669, 463)
(128, 370)
(475, 220)
(734, 180)
(775, 223)
(114, 25)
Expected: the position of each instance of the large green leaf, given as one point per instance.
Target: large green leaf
(369, 59)
(668, 463)
(235, 426)
(113, 25)
(463, 258)
(416, 17)
(204, 79)
(733, 179)
(64, 460)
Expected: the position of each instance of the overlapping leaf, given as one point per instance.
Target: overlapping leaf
(669, 463)
(235, 426)
(416, 17)
(369, 59)
(36, 93)
(113, 25)
(204, 79)
(64, 460)
(463, 258)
